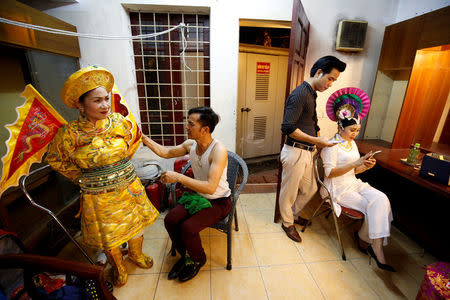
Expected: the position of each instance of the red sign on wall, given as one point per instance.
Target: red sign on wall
(262, 68)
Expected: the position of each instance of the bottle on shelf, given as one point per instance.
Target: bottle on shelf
(413, 154)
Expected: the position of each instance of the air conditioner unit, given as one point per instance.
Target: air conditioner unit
(351, 35)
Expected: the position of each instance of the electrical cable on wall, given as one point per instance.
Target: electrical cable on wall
(184, 43)
(182, 27)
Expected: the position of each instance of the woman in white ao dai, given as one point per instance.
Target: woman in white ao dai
(341, 163)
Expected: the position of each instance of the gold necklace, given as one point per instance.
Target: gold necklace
(199, 157)
(347, 146)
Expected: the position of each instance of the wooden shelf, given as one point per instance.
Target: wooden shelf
(37, 229)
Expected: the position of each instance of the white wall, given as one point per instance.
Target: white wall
(110, 17)
(408, 9)
(377, 115)
(361, 67)
(393, 110)
(106, 17)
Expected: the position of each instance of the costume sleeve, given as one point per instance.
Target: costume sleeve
(329, 157)
(58, 154)
(292, 113)
(132, 134)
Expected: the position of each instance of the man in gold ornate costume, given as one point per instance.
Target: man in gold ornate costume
(94, 152)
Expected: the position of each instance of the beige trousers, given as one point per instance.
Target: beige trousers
(298, 184)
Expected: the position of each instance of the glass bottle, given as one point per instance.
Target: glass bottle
(413, 154)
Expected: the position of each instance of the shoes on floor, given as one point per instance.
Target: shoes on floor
(380, 265)
(302, 222)
(177, 268)
(358, 243)
(190, 270)
(292, 233)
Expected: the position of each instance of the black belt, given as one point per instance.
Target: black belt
(300, 145)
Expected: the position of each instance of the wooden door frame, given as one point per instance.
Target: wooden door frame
(298, 17)
(256, 49)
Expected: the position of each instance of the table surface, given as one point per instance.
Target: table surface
(390, 159)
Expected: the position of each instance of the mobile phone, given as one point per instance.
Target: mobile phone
(336, 142)
(375, 153)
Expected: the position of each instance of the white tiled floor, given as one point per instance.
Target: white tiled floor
(268, 265)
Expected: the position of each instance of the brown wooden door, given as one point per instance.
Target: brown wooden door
(298, 47)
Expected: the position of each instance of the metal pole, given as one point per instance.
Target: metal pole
(23, 187)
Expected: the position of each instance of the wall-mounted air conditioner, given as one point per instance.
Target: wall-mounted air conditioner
(351, 35)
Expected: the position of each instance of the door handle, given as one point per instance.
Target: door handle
(247, 109)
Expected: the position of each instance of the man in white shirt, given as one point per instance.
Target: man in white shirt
(209, 164)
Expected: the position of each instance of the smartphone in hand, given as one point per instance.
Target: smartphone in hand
(336, 142)
(375, 153)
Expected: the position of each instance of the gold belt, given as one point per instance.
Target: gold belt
(107, 178)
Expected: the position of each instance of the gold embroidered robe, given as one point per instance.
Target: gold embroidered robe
(112, 218)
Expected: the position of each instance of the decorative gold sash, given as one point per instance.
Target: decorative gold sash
(107, 178)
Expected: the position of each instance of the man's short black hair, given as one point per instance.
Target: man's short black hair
(326, 64)
(207, 117)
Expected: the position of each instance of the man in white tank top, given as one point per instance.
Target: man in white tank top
(209, 164)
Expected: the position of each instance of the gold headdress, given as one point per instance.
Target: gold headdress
(84, 80)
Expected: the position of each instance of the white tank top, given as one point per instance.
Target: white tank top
(200, 167)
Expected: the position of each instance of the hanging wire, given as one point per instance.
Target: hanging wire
(88, 35)
(184, 44)
(180, 26)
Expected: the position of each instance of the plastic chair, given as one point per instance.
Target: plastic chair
(235, 164)
(326, 202)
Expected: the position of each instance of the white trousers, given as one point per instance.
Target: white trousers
(377, 210)
(298, 184)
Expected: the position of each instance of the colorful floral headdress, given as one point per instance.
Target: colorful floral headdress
(84, 80)
(348, 106)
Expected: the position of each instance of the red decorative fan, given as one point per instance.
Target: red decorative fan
(355, 97)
